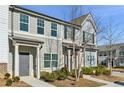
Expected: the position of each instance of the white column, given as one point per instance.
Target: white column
(31, 66)
(16, 60)
(38, 64)
(77, 60)
(69, 51)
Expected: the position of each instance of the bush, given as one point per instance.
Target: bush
(51, 77)
(87, 70)
(6, 76)
(8, 82)
(107, 72)
(62, 75)
(65, 70)
(43, 74)
(16, 79)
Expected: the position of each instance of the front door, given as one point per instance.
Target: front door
(24, 64)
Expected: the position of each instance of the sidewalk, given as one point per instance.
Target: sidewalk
(35, 82)
(108, 83)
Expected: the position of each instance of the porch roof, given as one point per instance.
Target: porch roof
(25, 40)
(88, 47)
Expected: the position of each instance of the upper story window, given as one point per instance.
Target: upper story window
(24, 20)
(40, 26)
(54, 29)
(121, 53)
(65, 32)
(88, 37)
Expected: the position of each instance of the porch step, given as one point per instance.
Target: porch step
(35, 82)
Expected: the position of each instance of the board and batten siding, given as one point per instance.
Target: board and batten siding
(4, 34)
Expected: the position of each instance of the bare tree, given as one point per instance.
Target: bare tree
(111, 35)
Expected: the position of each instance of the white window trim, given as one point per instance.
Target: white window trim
(54, 30)
(41, 26)
(28, 23)
(51, 61)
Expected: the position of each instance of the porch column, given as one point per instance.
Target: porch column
(16, 60)
(38, 64)
(69, 52)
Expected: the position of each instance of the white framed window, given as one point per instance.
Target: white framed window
(40, 26)
(24, 22)
(50, 60)
(54, 29)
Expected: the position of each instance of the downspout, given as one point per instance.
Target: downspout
(12, 34)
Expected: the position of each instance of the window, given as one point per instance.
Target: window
(65, 32)
(121, 53)
(40, 26)
(50, 60)
(54, 60)
(54, 29)
(47, 59)
(88, 37)
(24, 20)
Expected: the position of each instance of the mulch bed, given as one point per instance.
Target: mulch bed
(109, 78)
(70, 82)
(14, 84)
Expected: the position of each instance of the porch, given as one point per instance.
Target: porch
(25, 57)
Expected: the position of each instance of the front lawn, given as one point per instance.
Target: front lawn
(14, 84)
(70, 82)
(110, 78)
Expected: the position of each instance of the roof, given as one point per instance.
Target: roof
(114, 46)
(15, 6)
(79, 20)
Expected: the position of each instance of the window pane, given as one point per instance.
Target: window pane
(24, 27)
(65, 32)
(54, 26)
(40, 30)
(40, 22)
(47, 57)
(24, 18)
(54, 57)
(54, 33)
(54, 63)
(46, 63)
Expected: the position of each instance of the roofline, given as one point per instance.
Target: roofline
(15, 6)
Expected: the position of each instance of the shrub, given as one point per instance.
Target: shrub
(98, 72)
(6, 76)
(62, 75)
(51, 77)
(16, 79)
(43, 74)
(107, 72)
(65, 70)
(8, 82)
(87, 70)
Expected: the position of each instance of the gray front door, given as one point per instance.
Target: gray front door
(24, 64)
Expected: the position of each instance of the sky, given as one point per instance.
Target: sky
(106, 14)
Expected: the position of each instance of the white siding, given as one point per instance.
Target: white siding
(3, 34)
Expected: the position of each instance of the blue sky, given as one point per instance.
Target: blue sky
(115, 14)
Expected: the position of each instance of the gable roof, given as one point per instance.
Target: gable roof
(79, 20)
(19, 8)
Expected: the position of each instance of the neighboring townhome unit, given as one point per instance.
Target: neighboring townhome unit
(117, 55)
(33, 42)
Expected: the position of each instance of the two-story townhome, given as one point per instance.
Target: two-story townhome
(31, 42)
(117, 55)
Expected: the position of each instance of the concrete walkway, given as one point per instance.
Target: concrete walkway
(108, 83)
(35, 82)
(119, 74)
